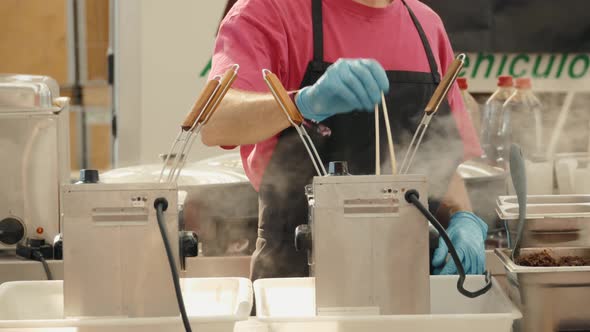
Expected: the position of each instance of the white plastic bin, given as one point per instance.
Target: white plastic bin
(573, 175)
(542, 172)
(287, 305)
(212, 304)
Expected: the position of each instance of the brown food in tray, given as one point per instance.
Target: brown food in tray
(574, 261)
(544, 259)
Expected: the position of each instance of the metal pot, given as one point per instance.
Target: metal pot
(218, 202)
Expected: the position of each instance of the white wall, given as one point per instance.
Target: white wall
(160, 49)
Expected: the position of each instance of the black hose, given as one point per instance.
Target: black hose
(39, 256)
(161, 204)
(413, 197)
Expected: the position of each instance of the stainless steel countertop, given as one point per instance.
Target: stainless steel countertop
(14, 268)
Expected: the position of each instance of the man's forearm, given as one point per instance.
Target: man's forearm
(456, 199)
(244, 118)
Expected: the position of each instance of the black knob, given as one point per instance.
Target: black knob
(338, 168)
(88, 176)
(12, 231)
(303, 238)
(189, 244)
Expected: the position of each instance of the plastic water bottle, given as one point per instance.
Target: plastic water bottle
(523, 125)
(493, 134)
(471, 105)
(523, 114)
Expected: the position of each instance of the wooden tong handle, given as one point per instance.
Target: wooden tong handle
(282, 97)
(202, 100)
(445, 85)
(224, 84)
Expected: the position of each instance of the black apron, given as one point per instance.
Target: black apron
(282, 202)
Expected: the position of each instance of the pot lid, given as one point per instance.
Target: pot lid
(217, 170)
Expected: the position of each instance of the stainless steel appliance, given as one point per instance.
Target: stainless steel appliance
(34, 140)
(551, 299)
(115, 262)
(370, 247)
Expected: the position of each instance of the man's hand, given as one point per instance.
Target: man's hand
(347, 85)
(467, 233)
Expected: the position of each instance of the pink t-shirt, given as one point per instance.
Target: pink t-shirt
(277, 35)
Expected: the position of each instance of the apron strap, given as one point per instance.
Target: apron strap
(425, 43)
(318, 37)
(318, 30)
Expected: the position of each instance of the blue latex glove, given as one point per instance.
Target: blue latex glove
(347, 85)
(467, 233)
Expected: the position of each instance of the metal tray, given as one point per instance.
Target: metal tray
(551, 220)
(546, 199)
(550, 298)
(546, 210)
(505, 258)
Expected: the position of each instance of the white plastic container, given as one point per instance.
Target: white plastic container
(212, 304)
(573, 173)
(539, 178)
(288, 304)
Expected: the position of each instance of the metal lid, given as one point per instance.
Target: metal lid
(27, 91)
(477, 170)
(217, 170)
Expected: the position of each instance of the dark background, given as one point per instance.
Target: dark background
(516, 25)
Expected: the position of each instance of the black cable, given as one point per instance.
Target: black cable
(413, 197)
(161, 204)
(77, 90)
(39, 256)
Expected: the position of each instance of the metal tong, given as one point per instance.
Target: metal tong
(295, 118)
(431, 108)
(204, 107)
(378, 139)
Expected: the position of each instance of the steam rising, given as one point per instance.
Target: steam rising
(224, 217)
(437, 157)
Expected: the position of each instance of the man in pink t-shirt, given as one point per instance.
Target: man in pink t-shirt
(338, 56)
